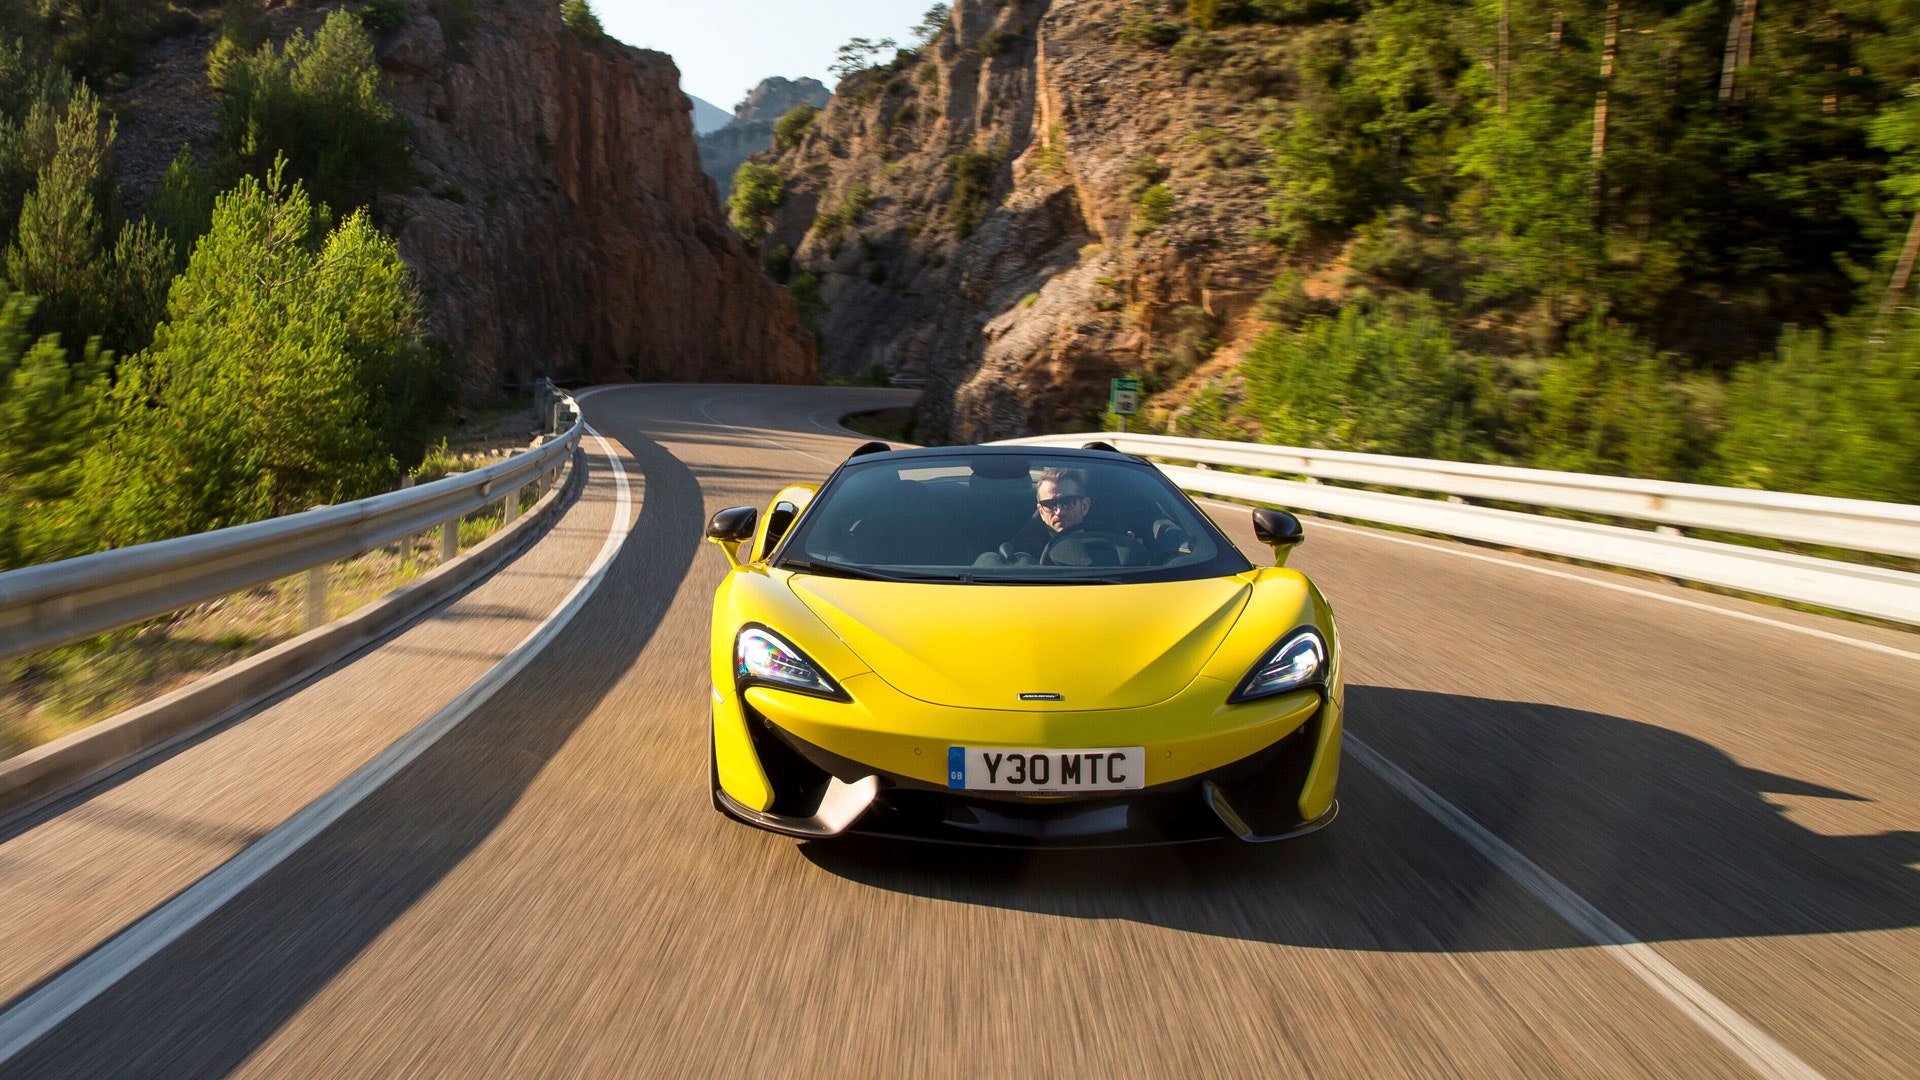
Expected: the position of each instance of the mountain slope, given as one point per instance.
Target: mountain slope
(750, 130)
(1561, 235)
(972, 213)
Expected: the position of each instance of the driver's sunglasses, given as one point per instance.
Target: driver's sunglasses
(1059, 502)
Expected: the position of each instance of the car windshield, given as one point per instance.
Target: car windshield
(1007, 518)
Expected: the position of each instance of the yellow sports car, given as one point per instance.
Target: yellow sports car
(1017, 646)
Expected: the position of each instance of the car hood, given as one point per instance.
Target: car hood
(983, 646)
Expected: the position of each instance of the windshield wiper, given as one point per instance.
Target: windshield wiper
(861, 572)
(992, 579)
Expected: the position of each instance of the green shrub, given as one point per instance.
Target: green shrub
(805, 290)
(757, 191)
(996, 41)
(1152, 210)
(777, 261)
(1831, 414)
(579, 17)
(1370, 381)
(1214, 14)
(1142, 173)
(380, 16)
(1609, 405)
(1141, 29)
(317, 103)
(972, 172)
(832, 224)
(793, 126)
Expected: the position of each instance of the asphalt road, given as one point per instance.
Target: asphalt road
(545, 889)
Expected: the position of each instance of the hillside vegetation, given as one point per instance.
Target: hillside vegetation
(248, 345)
(1670, 239)
(1673, 239)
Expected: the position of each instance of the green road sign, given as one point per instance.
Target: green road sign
(1124, 399)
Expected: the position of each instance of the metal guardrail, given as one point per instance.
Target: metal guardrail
(1847, 524)
(54, 604)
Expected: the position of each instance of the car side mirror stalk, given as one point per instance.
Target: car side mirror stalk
(1278, 530)
(732, 527)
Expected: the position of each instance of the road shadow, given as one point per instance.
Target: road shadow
(1666, 834)
(206, 1002)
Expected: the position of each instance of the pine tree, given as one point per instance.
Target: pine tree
(266, 390)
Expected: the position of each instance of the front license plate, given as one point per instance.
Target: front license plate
(973, 768)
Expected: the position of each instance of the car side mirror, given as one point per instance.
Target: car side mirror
(732, 527)
(1278, 530)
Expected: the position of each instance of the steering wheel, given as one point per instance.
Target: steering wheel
(1092, 547)
(1010, 557)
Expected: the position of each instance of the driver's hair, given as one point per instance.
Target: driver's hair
(1060, 477)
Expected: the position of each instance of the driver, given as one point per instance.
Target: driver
(1062, 504)
(1062, 500)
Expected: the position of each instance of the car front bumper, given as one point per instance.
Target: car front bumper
(816, 768)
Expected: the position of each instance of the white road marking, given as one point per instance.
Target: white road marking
(66, 993)
(1715, 1017)
(1824, 635)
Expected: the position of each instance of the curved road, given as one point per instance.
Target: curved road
(1727, 788)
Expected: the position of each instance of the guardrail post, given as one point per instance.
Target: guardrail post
(512, 506)
(449, 540)
(317, 596)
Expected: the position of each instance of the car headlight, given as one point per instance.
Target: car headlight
(762, 656)
(1299, 660)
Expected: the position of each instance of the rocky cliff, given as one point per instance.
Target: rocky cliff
(561, 224)
(1035, 202)
(751, 129)
(565, 226)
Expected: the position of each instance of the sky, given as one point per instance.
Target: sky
(725, 47)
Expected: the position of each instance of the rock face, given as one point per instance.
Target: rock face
(980, 213)
(751, 130)
(565, 227)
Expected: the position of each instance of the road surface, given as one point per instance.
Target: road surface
(544, 888)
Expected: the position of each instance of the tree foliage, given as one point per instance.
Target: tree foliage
(1607, 217)
(1370, 381)
(757, 191)
(857, 55)
(49, 408)
(215, 360)
(793, 125)
(317, 103)
(274, 383)
(932, 24)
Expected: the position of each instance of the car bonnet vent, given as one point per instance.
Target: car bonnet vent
(865, 448)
